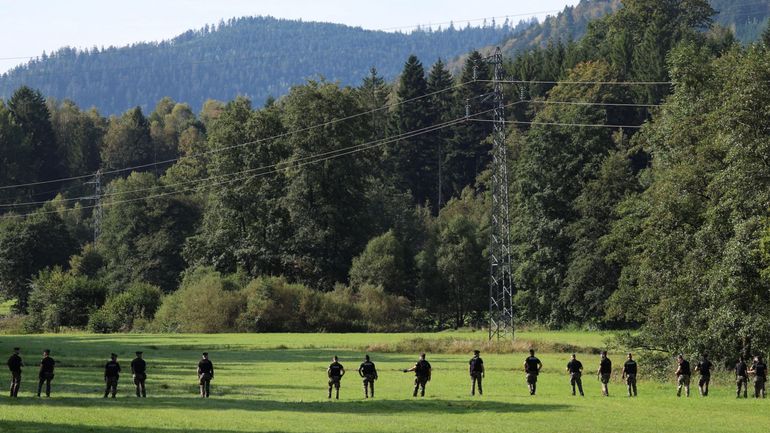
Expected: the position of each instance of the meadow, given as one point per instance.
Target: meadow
(277, 383)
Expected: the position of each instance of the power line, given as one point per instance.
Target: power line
(282, 135)
(275, 167)
(585, 125)
(579, 103)
(604, 83)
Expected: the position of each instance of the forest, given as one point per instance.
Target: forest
(639, 178)
(255, 57)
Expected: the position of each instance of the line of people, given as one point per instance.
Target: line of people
(423, 373)
(112, 371)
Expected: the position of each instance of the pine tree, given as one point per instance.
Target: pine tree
(468, 153)
(412, 159)
(443, 104)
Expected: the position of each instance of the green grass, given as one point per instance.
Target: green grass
(276, 383)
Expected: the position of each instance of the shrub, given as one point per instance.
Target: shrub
(205, 302)
(123, 310)
(383, 312)
(61, 298)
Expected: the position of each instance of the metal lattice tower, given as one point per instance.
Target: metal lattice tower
(500, 280)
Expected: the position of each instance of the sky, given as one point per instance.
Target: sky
(31, 27)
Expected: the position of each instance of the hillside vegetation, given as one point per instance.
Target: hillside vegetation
(639, 187)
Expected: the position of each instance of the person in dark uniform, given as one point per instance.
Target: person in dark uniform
(205, 375)
(476, 369)
(14, 365)
(759, 370)
(741, 378)
(683, 373)
(111, 376)
(532, 367)
(604, 373)
(704, 368)
(335, 373)
(368, 371)
(575, 370)
(422, 374)
(139, 373)
(45, 375)
(628, 373)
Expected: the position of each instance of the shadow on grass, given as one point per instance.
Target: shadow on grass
(329, 407)
(39, 427)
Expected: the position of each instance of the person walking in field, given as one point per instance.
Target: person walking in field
(630, 369)
(683, 373)
(205, 375)
(476, 369)
(759, 370)
(532, 367)
(704, 369)
(46, 373)
(422, 375)
(368, 371)
(139, 373)
(575, 370)
(15, 364)
(111, 376)
(335, 373)
(741, 378)
(604, 373)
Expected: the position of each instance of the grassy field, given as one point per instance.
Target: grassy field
(276, 383)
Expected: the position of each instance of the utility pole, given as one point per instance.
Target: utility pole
(97, 198)
(500, 279)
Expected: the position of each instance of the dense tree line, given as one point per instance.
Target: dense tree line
(641, 206)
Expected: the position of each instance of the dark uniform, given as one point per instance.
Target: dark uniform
(14, 365)
(630, 369)
(704, 368)
(368, 371)
(683, 374)
(760, 378)
(605, 373)
(205, 375)
(111, 376)
(476, 369)
(45, 375)
(335, 373)
(575, 369)
(532, 367)
(741, 379)
(422, 373)
(139, 372)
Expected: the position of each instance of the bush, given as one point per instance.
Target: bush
(124, 310)
(383, 312)
(205, 302)
(60, 299)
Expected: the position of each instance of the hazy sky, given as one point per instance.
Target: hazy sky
(30, 27)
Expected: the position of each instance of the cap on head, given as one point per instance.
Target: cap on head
(47, 351)
(366, 357)
(335, 358)
(422, 355)
(113, 356)
(205, 354)
(477, 351)
(574, 356)
(139, 353)
(532, 352)
(16, 349)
